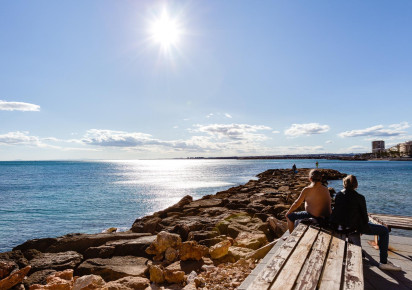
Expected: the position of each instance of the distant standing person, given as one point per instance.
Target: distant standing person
(317, 164)
(317, 201)
(350, 214)
(294, 169)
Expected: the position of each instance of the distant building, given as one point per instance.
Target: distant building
(378, 146)
(405, 149)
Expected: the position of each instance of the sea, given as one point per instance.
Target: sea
(40, 199)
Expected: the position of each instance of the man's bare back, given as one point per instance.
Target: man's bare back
(317, 200)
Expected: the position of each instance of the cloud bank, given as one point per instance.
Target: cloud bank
(232, 131)
(306, 129)
(378, 131)
(18, 106)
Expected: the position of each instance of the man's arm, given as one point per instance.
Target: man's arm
(297, 202)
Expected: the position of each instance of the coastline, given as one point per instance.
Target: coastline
(224, 232)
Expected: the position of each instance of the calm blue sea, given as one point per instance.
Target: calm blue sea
(52, 198)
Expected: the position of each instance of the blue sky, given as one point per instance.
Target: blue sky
(88, 79)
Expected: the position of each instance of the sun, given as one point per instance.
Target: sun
(166, 31)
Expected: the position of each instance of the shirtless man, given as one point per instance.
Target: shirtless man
(317, 201)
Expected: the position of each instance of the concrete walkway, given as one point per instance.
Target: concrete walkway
(400, 253)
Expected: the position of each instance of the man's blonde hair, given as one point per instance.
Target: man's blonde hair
(350, 182)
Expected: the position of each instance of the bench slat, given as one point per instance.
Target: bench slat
(294, 264)
(266, 277)
(332, 274)
(353, 278)
(309, 276)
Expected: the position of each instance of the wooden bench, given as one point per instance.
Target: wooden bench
(391, 221)
(311, 258)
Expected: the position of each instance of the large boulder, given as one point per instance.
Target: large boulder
(56, 261)
(14, 278)
(156, 274)
(163, 241)
(278, 227)
(89, 282)
(220, 249)
(251, 240)
(191, 250)
(136, 283)
(57, 281)
(133, 247)
(114, 268)
(174, 274)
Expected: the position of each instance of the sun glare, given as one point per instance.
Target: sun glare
(166, 31)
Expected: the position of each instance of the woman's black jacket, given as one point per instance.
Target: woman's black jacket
(350, 211)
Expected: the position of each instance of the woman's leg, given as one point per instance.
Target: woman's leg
(383, 233)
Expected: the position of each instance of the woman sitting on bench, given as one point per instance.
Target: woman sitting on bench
(350, 214)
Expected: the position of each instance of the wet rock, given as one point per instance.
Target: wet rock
(137, 283)
(76, 242)
(215, 202)
(89, 282)
(182, 230)
(220, 249)
(191, 250)
(14, 278)
(38, 277)
(132, 247)
(278, 227)
(202, 235)
(114, 268)
(56, 261)
(6, 267)
(15, 256)
(99, 252)
(57, 281)
(139, 225)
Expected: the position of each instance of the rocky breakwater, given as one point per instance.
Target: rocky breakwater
(210, 243)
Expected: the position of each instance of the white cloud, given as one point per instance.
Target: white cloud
(228, 116)
(117, 138)
(378, 131)
(220, 139)
(299, 149)
(275, 132)
(329, 142)
(18, 138)
(306, 129)
(23, 138)
(210, 115)
(175, 127)
(233, 131)
(18, 106)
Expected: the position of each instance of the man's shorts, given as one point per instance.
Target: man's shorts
(300, 215)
